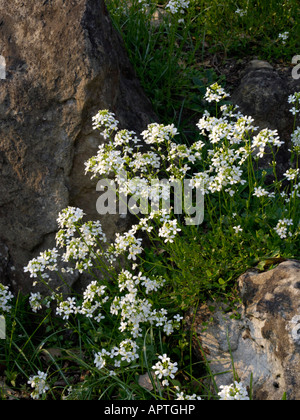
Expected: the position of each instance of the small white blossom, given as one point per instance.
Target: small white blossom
(35, 301)
(5, 297)
(39, 384)
(233, 392)
(106, 122)
(283, 37)
(215, 93)
(158, 133)
(283, 227)
(241, 12)
(67, 308)
(178, 6)
(237, 229)
(296, 139)
(260, 192)
(291, 174)
(169, 230)
(294, 100)
(165, 368)
(182, 396)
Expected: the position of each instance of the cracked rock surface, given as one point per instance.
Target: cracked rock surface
(264, 342)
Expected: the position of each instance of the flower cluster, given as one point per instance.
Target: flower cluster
(260, 192)
(226, 145)
(292, 174)
(47, 260)
(94, 299)
(296, 140)
(106, 122)
(39, 384)
(165, 368)
(67, 308)
(178, 6)
(81, 250)
(233, 392)
(127, 352)
(159, 133)
(135, 310)
(182, 396)
(215, 93)
(69, 216)
(128, 243)
(35, 301)
(283, 37)
(169, 230)
(295, 100)
(282, 228)
(241, 12)
(266, 138)
(5, 297)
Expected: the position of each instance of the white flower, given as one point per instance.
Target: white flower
(295, 100)
(282, 228)
(283, 37)
(260, 192)
(233, 392)
(182, 396)
(106, 122)
(127, 351)
(296, 138)
(67, 308)
(124, 137)
(169, 230)
(101, 359)
(237, 229)
(291, 174)
(178, 6)
(241, 12)
(266, 138)
(69, 216)
(165, 368)
(39, 384)
(215, 93)
(158, 133)
(35, 301)
(5, 297)
(47, 260)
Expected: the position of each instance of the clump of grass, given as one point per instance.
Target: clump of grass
(168, 50)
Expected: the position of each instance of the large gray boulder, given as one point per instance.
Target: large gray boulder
(64, 62)
(261, 338)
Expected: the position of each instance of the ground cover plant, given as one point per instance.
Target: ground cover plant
(174, 44)
(124, 337)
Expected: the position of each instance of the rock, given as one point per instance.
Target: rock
(259, 64)
(264, 341)
(64, 62)
(263, 94)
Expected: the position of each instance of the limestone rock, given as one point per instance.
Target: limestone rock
(64, 62)
(264, 342)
